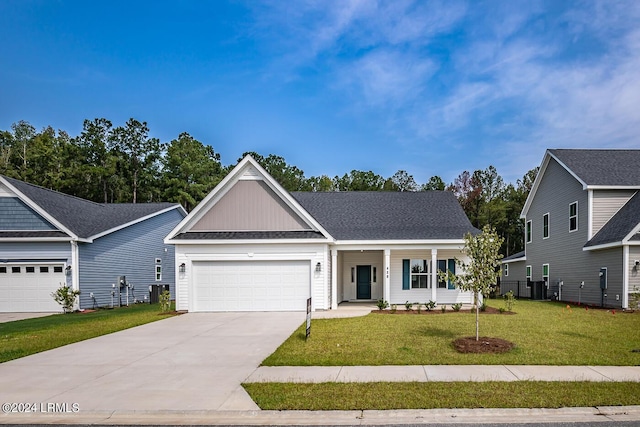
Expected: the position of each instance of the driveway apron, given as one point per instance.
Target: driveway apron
(195, 361)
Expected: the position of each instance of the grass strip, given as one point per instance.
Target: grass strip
(414, 395)
(24, 337)
(544, 333)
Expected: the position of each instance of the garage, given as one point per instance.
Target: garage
(28, 287)
(251, 285)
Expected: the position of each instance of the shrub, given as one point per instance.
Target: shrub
(443, 308)
(66, 297)
(394, 307)
(483, 307)
(430, 305)
(457, 306)
(382, 304)
(509, 301)
(408, 306)
(165, 301)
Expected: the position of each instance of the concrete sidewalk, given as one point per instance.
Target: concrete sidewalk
(447, 373)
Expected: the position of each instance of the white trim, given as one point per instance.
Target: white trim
(434, 275)
(506, 270)
(625, 277)
(38, 239)
(548, 226)
(244, 242)
(612, 187)
(75, 266)
(634, 231)
(386, 266)
(38, 209)
(509, 261)
(584, 184)
(407, 242)
(528, 232)
(548, 272)
(577, 216)
(603, 246)
(135, 221)
(590, 215)
(334, 279)
(530, 275)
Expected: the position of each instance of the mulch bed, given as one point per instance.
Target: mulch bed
(483, 345)
(488, 310)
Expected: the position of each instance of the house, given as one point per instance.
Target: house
(48, 238)
(582, 219)
(252, 246)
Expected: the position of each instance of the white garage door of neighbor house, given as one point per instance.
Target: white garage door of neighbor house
(251, 285)
(28, 287)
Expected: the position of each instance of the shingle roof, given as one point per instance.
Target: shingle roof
(381, 215)
(83, 217)
(619, 227)
(602, 167)
(515, 256)
(248, 235)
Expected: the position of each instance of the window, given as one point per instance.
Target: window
(529, 231)
(3, 269)
(375, 275)
(528, 269)
(419, 274)
(506, 270)
(158, 273)
(15, 269)
(545, 272)
(353, 274)
(545, 226)
(57, 269)
(573, 216)
(30, 269)
(44, 269)
(446, 265)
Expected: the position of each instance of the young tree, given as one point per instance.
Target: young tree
(481, 273)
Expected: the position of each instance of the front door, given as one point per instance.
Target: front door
(363, 286)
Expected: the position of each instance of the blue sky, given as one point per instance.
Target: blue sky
(431, 87)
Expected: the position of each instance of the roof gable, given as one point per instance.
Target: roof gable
(602, 168)
(381, 215)
(250, 205)
(80, 218)
(248, 200)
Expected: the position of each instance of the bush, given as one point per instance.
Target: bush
(457, 306)
(430, 305)
(408, 306)
(382, 304)
(66, 297)
(394, 307)
(443, 308)
(165, 301)
(509, 301)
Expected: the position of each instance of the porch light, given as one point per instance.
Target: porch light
(182, 268)
(67, 270)
(318, 268)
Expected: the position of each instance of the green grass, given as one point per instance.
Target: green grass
(544, 333)
(362, 396)
(24, 337)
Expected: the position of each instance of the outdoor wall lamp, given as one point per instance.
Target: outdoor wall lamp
(182, 268)
(67, 270)
(318, 268)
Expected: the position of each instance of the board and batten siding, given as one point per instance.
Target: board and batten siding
(249, 206)
(16, 215)
(130, 252)
(563, 250)
(311, 252)
(606, 203)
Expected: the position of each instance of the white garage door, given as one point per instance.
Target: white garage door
(28, 288)
(251, 285)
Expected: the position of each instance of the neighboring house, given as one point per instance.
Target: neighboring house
(252, 246)
(582, 220)
(49, 238)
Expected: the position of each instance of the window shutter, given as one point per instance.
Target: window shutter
(452, 268)
(406, 270)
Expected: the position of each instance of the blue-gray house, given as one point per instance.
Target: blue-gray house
(48, 238)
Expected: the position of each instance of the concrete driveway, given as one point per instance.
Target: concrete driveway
(195, 361)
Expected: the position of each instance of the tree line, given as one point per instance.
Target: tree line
(124, 164)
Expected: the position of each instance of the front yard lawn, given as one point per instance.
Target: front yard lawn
(544, 334)
(363, 396)
(24, 337)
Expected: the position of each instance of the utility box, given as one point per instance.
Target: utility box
(155, 291)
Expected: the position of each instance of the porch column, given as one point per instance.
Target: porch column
(334, 279)
(434, 273)
(386, 290)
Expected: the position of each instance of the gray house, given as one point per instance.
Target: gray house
(252, 246)
(582, 223)
(48, 238)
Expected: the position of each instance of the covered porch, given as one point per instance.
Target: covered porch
(395, 274)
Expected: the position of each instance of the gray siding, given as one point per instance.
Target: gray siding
(130, 252)
(517, 271)
(563, 249)
(250, 206)
(605, 205)
(16, 215)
